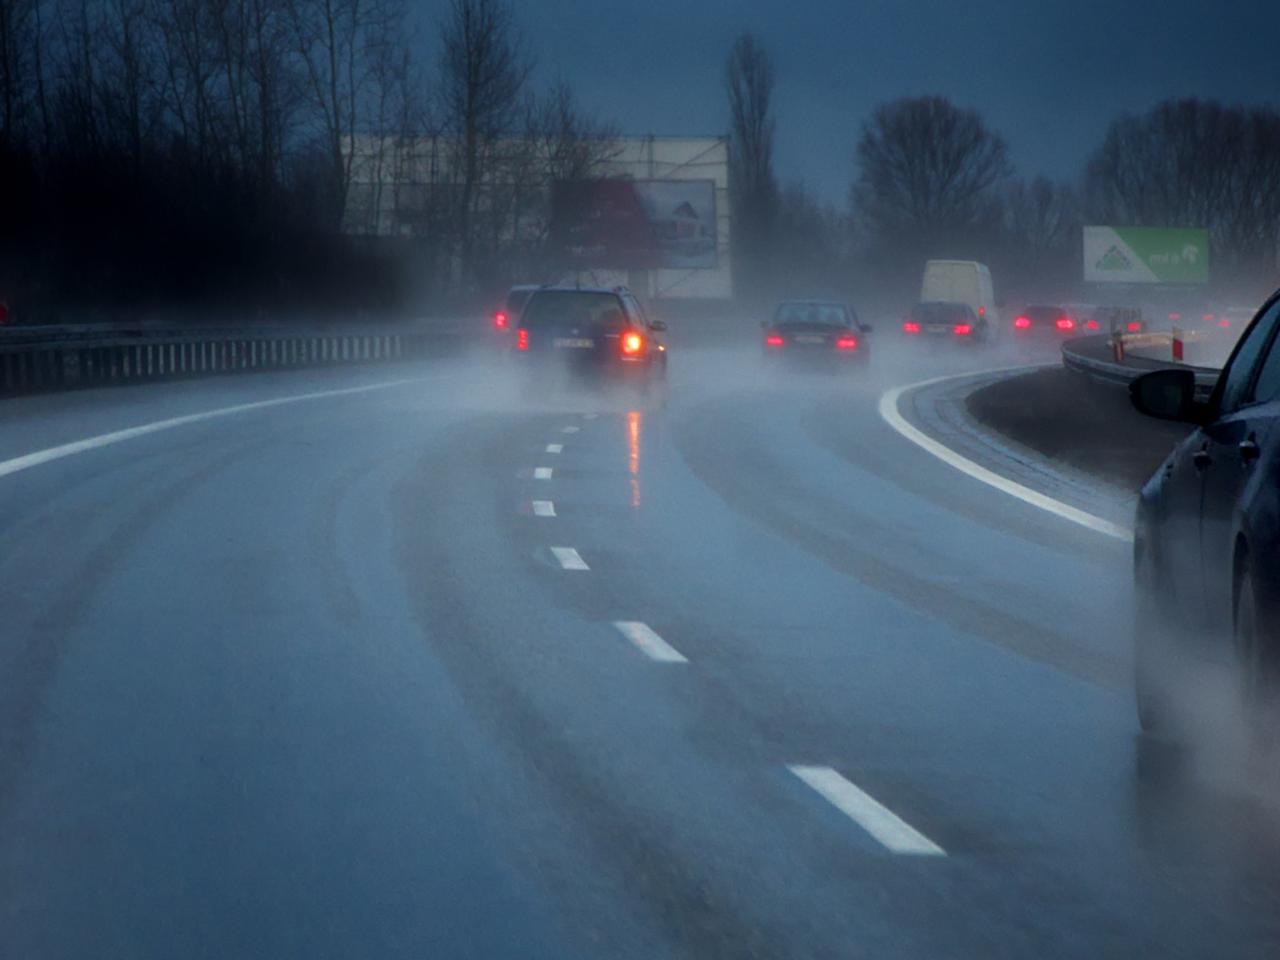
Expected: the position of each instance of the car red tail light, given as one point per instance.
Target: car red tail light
(1091, 324)
(1134, 326)
(522, 339)
(1065, 323)
(1022, 323)
(846, 343)
(774, 340)
(632, 344)
(500, 320)
(1174, 316)
(962, 329)
(982, 311)
(1208, 318)
(911, 327)
(1224, 322)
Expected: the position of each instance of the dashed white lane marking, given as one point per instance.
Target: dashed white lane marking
(649, 643)
(569, 558)
(555, 448)
(29, 460)
(889, 411)
(882, 823)
(570, 430)
(543, 508)
(542, 473)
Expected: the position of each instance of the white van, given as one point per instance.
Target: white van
(963, 281)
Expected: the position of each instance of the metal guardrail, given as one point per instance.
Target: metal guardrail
(65, 357)
(1094, 357)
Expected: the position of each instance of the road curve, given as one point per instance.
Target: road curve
(450, 668)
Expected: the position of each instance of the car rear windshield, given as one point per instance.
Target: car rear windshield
(556, 309)
(831, 314)
(942, 313)
(516, 300)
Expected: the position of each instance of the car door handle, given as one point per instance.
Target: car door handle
(1201, 459)
(1249, 450)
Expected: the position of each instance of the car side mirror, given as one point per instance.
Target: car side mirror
(658, 325)
(1166, 394)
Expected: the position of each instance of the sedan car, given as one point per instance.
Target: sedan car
(1207, 537)
(816, 332)
(1048, 321)
(943, 320)
(590, 332)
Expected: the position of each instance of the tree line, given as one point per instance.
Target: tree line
(198, 153)
(933, 179)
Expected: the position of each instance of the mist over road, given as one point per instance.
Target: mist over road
(445, 667)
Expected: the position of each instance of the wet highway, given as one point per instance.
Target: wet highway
(406, 662)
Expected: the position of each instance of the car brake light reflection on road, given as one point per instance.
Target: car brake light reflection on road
(911, 327)
(1022, 323)
(1134, 326)
(500, 320)
(1065, 323)
(632, 343)
(962, 329)
(774, 340)
(846, 343)
(522, 339)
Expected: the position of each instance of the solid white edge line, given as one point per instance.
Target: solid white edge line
(892, 832)
(555, 447)
(543, 508)
(27, 461)
(542, 473)
(569, 558)
(648, 642)
(890, 413)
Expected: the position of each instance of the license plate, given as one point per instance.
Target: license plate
(573, 343)
(937, 328)
(810, 338)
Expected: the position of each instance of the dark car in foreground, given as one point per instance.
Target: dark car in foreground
(590, 332)
(816, 333)
(942, 320)
(1207, 537)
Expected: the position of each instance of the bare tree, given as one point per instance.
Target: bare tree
(484, 65)
(927, 169)
(749, 83)
(20, 39)
(1193, 163)
(339, 42)
(1040, 222)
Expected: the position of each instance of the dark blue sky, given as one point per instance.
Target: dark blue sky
(1047, 75)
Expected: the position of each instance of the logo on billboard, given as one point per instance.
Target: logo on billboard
(1145, 255)
(1114, 259)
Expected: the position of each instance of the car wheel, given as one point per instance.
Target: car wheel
(1259, 672)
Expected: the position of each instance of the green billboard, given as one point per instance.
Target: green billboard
(1145, 255)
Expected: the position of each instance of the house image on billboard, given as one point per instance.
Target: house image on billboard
(685, 233)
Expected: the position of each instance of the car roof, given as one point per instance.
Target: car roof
(813, 303)
(561, 288)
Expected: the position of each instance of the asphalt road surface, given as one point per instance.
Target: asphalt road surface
(448, 668)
